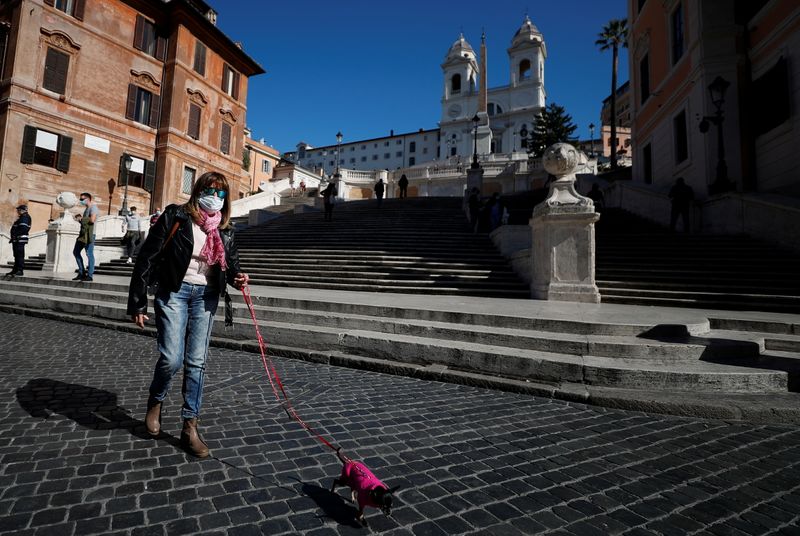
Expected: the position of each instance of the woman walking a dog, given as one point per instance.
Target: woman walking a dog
(191, 255)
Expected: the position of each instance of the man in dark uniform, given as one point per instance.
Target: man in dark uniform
(19, 237)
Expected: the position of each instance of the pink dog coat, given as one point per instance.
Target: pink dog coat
(362, 481)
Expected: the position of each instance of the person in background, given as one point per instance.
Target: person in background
(133, 236)
(86, 238)
(403, 185)
(379, 189)
(681, 195)
(328, 197)
(192, 256)
(154, 216)
(19, 237)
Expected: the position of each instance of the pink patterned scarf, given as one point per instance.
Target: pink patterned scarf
(213, 251)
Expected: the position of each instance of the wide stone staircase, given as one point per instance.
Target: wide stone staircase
(582, 352)
(418, 246)
(641, 263)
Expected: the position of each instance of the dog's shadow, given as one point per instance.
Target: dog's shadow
(332, 504)
(92, 408)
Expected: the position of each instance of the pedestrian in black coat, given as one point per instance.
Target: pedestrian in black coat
(19, 237)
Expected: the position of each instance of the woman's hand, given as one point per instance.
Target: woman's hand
(240, 281)
(139, 319)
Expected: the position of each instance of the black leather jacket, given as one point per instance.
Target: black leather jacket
(175, 260)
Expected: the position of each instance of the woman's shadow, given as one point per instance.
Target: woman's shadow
(92, 408)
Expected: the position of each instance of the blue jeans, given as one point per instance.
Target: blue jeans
(80, 246)
(184, 320)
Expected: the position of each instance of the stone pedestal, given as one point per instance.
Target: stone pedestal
(562, 230)
(61, 236)
(474, 179)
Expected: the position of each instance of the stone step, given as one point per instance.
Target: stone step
(771, 287)
(685, 300)
(484, 356)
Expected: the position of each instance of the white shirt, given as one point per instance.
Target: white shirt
(198, 269)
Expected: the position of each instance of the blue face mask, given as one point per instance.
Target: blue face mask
(84, 201)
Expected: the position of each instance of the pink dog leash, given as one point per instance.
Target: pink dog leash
(275, 379)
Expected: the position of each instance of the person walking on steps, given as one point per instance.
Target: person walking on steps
(86, 238)
(19, 237)
(379, 189)
(192, 256)
(681, 195)
(133, 235)
(403, 185)
(328, 197)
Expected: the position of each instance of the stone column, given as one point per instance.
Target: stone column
(562, 231)
(61, 236)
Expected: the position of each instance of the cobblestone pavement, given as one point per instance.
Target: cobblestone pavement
(74, 460)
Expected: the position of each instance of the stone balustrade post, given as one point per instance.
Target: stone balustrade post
(61, 236)
(562, 234)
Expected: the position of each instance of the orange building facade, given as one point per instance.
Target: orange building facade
(87, 84)
(677, 50)
(261, 160)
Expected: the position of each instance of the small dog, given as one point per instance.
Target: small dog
(367, 490)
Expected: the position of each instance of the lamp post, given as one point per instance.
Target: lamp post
(591, 137)
(475, 164)
(717, 90)
(336, 174)
(127, 162)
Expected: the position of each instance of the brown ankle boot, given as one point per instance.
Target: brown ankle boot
(152, 420)
(190, 439)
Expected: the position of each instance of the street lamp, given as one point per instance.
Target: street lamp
(591, 137)
(475, 164)
(336, 174)
(717, 90)
(127, 162)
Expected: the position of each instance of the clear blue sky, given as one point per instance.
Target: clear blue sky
(365, 67)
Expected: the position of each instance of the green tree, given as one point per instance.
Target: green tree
(613, 36)
(246, 159)
(552, 125)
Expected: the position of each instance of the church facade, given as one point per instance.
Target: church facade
(505, 115)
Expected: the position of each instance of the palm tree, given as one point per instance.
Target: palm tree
(614, 35)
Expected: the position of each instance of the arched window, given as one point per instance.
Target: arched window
(525, 69)
(455, 84)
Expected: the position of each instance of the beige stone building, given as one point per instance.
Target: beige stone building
(84, 84)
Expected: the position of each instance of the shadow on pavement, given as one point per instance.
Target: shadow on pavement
(89, 407)
(333, 505)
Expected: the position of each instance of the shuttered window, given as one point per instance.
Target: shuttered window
(75, 8)
(230, 81)
(141, 174)
(46, 148)
(194, 122)
(147, 39)
(56, 66)
(225, 139)
(200, 58)
(3, 47)
(143, 106)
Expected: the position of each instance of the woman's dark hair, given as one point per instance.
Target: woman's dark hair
(207, 180)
